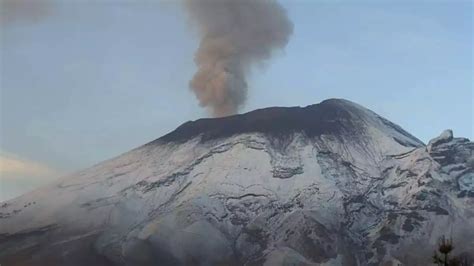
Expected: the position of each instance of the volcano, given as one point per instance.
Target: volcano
(328, 184)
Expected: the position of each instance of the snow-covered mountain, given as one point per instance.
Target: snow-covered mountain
(327, 184)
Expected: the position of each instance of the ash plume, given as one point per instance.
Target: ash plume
(23, 11)
(235, 35)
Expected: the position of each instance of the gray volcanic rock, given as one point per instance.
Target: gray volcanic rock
(334, 117)
(328, 184)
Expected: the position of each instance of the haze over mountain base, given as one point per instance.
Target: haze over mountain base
(328, 184)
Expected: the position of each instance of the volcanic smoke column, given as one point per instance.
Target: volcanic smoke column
(235, 34)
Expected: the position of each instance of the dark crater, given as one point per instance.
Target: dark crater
(334, 117)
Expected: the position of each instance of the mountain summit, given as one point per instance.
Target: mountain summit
(327, 184)
(335, 117)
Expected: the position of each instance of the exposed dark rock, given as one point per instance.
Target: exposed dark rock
(331, 117)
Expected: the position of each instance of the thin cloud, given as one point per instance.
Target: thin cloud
(12, 166)
(19, 175)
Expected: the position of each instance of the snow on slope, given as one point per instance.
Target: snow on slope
(332, 184)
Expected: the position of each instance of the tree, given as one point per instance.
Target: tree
(445, 247)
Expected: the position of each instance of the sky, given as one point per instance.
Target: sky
(83, 81)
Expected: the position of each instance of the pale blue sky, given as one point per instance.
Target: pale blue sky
(93, 79)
